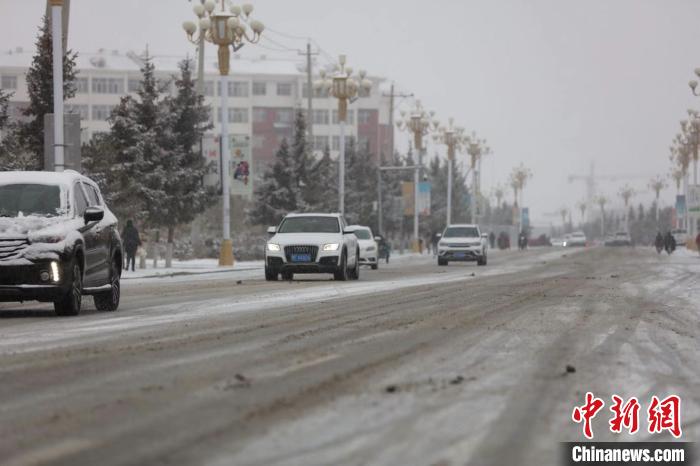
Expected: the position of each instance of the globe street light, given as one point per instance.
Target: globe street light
(418, 122)
(226, 29)
(518, 179)
(343, 86)
(453, 138)
(476, 148)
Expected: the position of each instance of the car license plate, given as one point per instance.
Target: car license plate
(460, 255)
(301, 257)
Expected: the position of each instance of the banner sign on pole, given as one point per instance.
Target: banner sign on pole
(680, 205)
(424, 198)
(693, 203)
(241, 163)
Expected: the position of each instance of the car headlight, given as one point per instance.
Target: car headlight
(273, 247)
(331, 247)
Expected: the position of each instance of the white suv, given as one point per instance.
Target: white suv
(462, 243)
(312, 243)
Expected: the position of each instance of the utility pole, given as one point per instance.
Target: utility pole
(391, 95)
(57, 52)
(309, 92)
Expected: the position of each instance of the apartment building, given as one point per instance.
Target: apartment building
(264, 94)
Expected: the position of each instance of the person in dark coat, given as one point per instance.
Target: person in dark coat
(492, 240)
(131, 241)
(669, 243)
(659, 242)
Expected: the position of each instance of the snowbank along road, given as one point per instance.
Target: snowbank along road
(413, 364)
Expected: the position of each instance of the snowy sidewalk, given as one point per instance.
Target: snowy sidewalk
(188, 267)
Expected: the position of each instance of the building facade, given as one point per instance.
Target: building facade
(264, 95)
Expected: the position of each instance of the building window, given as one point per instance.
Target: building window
(238, 89)
(321, 93)
(101, 112)
(364, 116)
(259, 88)
(284, 115)
(108, 85)
(259, 115)
(350, 118)
(82, 85)
(336, 143)
(209, 88)
(320, 143)
(8, 82)
(81, 110)
(320, 117)
(363, 143)
(284, 89)
(238, 115)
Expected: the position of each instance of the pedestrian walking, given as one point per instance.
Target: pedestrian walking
(131, 241)
(669, 243)
(492, 240)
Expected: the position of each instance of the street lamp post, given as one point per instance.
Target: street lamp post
(626, 193)
(656, 185)
(226, 29)
(343, 86)
(602, 200)
(418, 123)
(453, 138)
(518, 179)
(57, 59)
(476, 148)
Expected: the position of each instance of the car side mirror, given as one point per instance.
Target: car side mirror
(271, 230)
(485, 235)
(93, 214)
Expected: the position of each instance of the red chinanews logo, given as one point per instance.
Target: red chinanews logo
(662, 415)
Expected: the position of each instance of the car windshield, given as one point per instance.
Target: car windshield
(461, 232)
(362, 234)
(309, 225)
(30, 199)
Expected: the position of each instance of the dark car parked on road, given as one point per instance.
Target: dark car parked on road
(58, 241)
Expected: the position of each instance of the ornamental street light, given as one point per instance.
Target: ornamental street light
(476, 148)
(417, 122)
(681, 155)
(601, 201)
(343, 86)
(227, 29)
(657, 184)
(453, 138)
(57, 63)
(626, 193)
(518, 180)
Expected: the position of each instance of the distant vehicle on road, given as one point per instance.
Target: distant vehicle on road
(681, 236)
(312, 243)
(369, 248)
(620, 238)
(559, 242)
(462, 243)
(576, 239)
(58, 242)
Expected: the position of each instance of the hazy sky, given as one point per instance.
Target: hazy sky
(555, 84)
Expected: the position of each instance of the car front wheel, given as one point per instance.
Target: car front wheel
(70, 304)
(341, 274)
(109, 300)
(271, 274)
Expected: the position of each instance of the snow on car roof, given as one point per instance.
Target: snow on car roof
(462, 225)
(311, 214)
(58, 178)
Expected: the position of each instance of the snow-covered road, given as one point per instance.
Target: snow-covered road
(413, 364)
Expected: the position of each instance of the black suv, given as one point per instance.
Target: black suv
(58, 241)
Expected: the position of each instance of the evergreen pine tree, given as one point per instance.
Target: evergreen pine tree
(301, 162)
(361, 186)
(11, 158)
(40, 90)
(187, 119)
(321, 191)
(277, 194)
